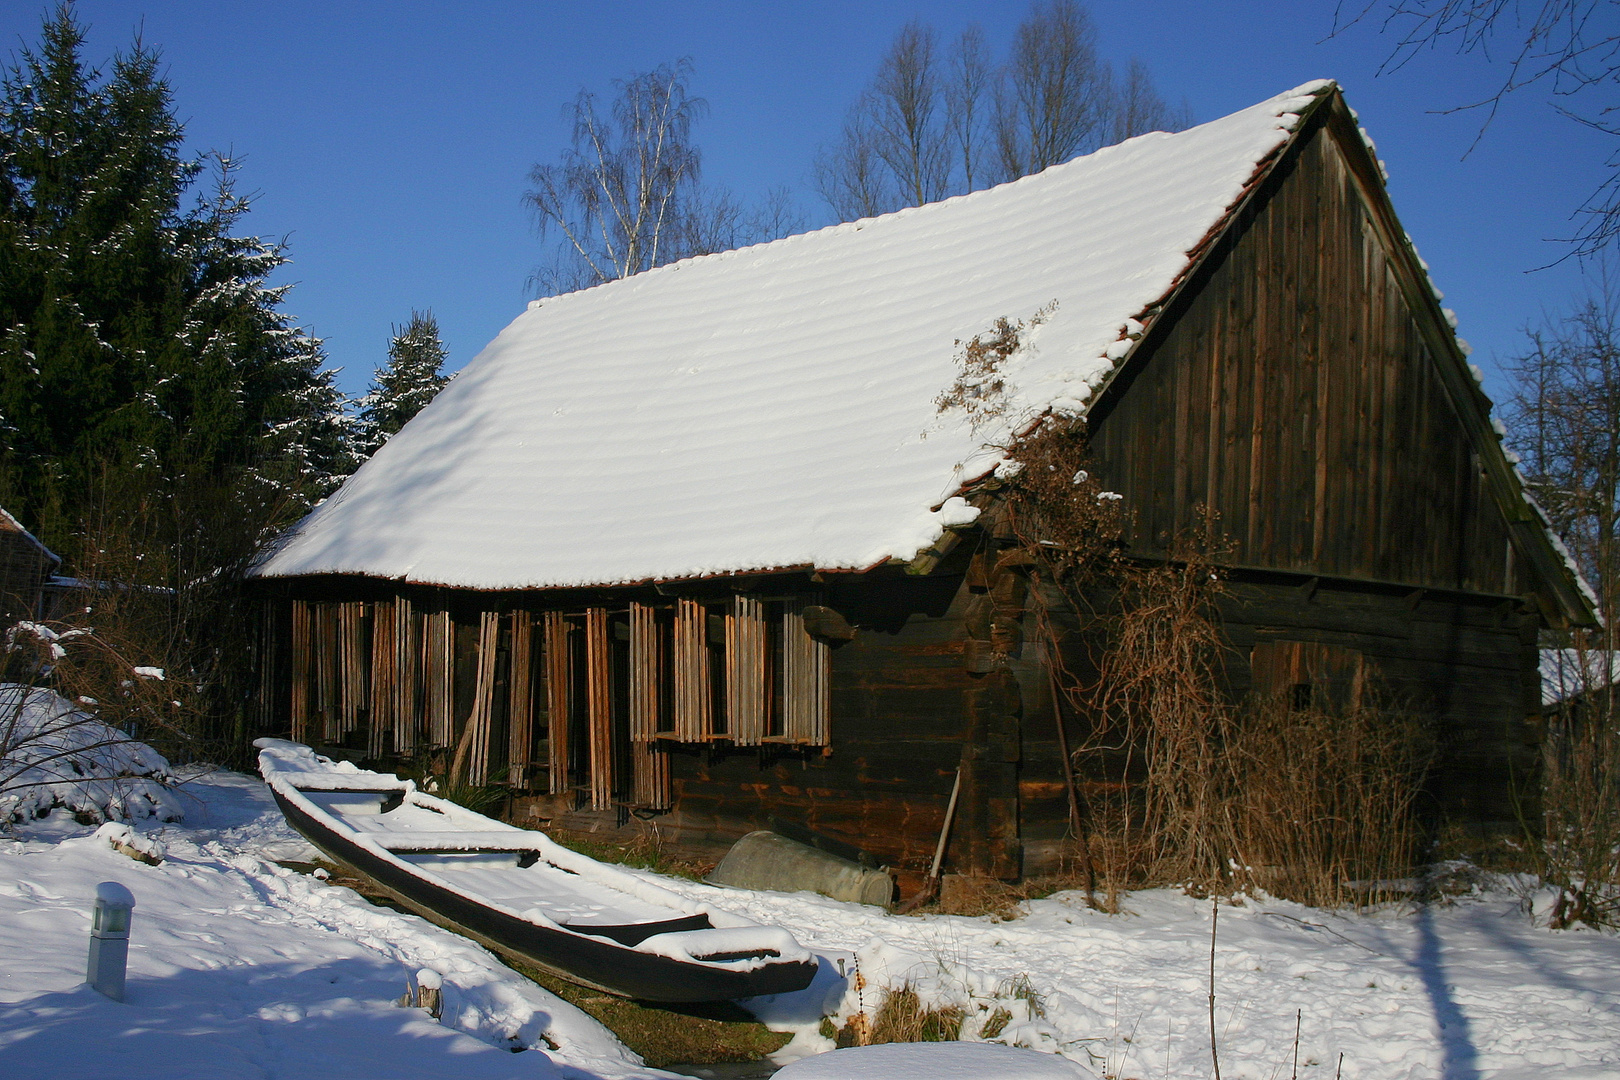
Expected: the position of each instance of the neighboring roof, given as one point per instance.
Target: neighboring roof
(774, 407)
(1569, 673)
(9, 524)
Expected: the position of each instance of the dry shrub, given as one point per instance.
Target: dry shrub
(1322, 799)
(902, 1017)
(1578, 853)
(1180, 784)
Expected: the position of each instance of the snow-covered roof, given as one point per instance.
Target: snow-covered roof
(774, 407)
(12, 525)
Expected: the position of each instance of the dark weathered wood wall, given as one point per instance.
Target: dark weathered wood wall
(1295, 396)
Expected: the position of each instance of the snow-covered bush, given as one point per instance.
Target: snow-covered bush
(53, 754)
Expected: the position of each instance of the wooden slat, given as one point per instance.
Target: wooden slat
(379, 735)
(693, 710)
(558, 671)
(351, 672)
(407, 652)
(598, 705)
(805, 664)
(520, 710)
(438, 676)
(649, 763)
(745, 671)
(645, 673)
(324, 637)
(301, 658)
(483, 709)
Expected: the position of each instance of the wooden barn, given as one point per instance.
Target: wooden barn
(702, 547)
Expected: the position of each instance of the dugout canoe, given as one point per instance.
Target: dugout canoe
(520, 892)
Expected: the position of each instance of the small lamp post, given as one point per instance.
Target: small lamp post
(109, 939)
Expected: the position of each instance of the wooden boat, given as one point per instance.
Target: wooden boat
(517, 891)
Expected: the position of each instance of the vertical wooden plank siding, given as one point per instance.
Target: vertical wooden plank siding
(805, 662)
(326, 682)
(483, 709)
(438, 675)
(520, 710)
(557, 704)
(692, 702)
(351, 665)
(649, 764)
(300, 670)
(379, 735)
(1295, 396)
(598, 707)
(745, 671)
(406, 653)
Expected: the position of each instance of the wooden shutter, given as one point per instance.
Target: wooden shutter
(598, 707)
(557, 694)
(692, 696)
(804, 664)
(745, 671)
(301, 646)
(379, 735)
(520, 711)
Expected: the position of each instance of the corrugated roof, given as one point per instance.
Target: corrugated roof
(775, 406)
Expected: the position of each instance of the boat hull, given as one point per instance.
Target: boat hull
(580, 958)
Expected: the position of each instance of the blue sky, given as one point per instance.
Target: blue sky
(390, 142)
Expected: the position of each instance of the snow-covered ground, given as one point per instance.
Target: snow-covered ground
(241, 969)
(1469, 990)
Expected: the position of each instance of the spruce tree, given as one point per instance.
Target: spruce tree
(402, 388)
(141, 346)
(161, 416)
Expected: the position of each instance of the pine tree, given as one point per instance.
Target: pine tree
(402, 388)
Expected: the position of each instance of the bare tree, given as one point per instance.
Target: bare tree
(911, 139)
(850, 176)
(966, 92)
(1056, 97)
(619, 189)
(1564, 415)
(1139, 108)
(927, 127)
(1569, 47)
